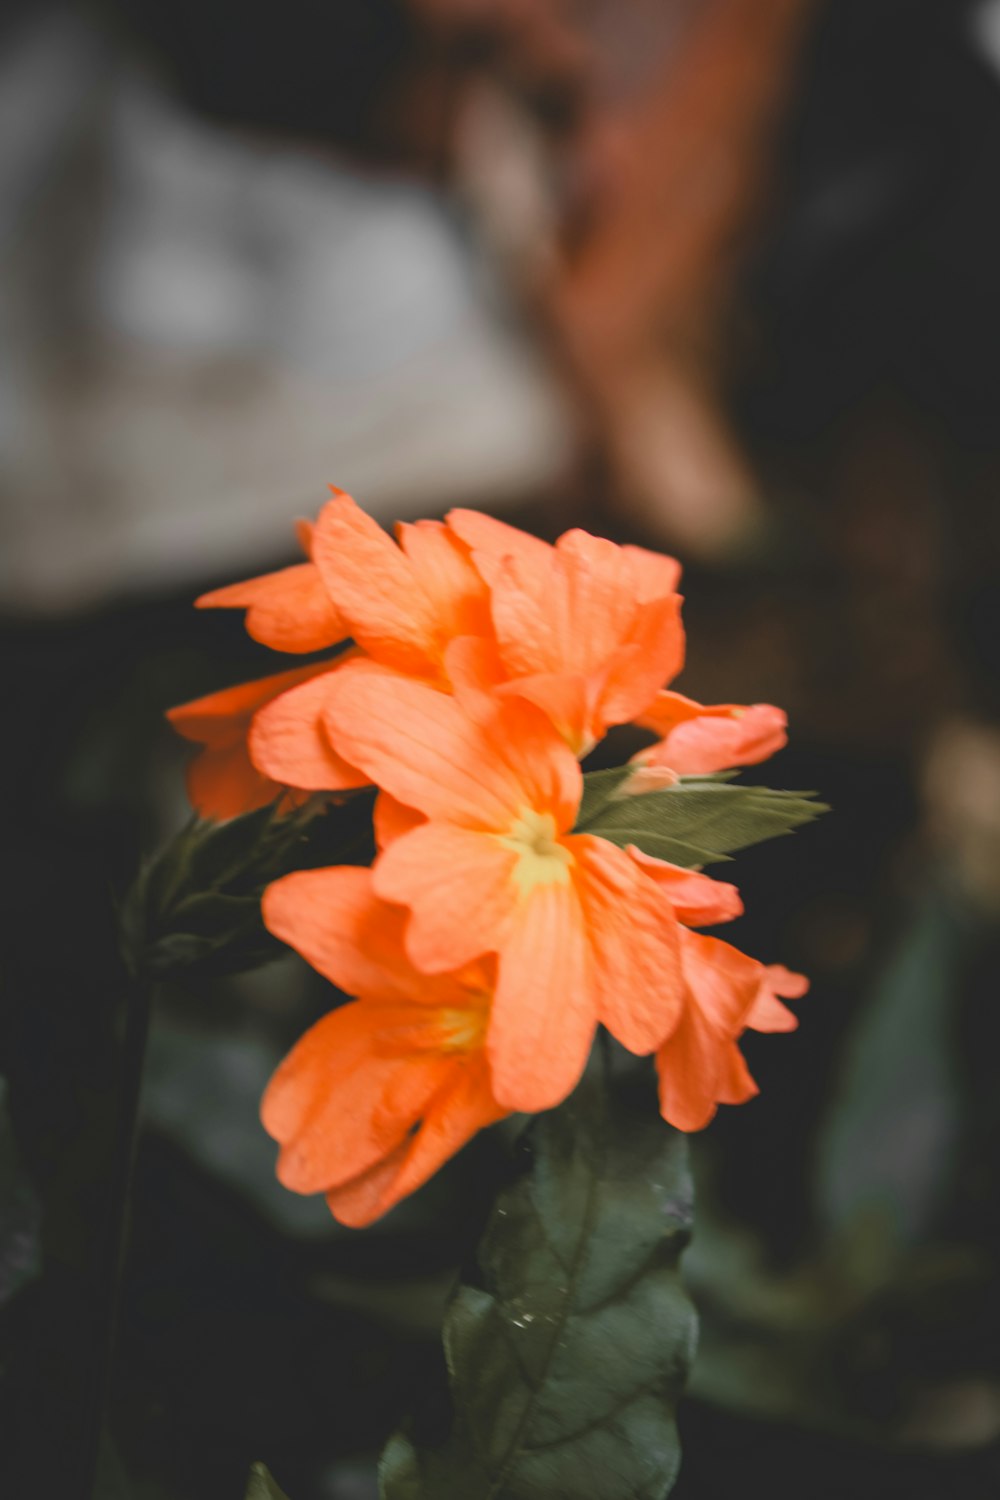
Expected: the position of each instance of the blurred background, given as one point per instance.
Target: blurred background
(716, 276)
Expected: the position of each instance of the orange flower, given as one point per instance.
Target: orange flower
(586, 630)
(696, 740)
(289, 610)
(378, 1094)
(699, 1065)
(591, 631)
(223, 781)
(583, 932)
(489, 941)
(402, 604)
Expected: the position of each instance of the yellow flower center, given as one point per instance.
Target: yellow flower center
(542, 859)
(465, 1030)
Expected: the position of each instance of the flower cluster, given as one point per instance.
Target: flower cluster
(489, 939)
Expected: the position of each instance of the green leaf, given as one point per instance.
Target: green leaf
(399, 1471)
(568, 1348)
(700, 820)
(602, 787)
(261, 1485)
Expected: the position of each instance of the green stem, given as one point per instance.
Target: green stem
(111, 1249)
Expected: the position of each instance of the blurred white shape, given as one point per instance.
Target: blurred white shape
(372, 273)
(255, 321)
(984, 20)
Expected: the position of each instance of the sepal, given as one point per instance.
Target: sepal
(196, 904)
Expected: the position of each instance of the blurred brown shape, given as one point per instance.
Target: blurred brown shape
(961, 785)
(678, 178)
(619, 156)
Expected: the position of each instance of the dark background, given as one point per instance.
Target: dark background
(718, 276)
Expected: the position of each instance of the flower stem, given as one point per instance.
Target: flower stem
(113, 1239)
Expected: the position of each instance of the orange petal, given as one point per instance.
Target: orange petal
(697, 900)
(697, 740)
(344, 1097)
(458, 600)
(735, 1084)
(602, 571)
(576, 613)
(490, 538)
(722, 982)
(699, 1064)
(565, 611)
(785, 982)
(567, 701)
(289, 741)
(334, 919)
(392, 819)
(225, 783)
(364, 1198)
(655, 574)
(767, 1012)
(544, 1013)
(690, 1067)
(372, 583)
(474, 671)
(668, 710)
(459, 887)
(402, 606)
(419, 745)
(463, 1106)
(336, 922)
(529, 635)
(652, 655)
(633, 937)
(222, 718)
(289, 610)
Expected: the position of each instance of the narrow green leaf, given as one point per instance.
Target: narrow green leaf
(399, 1471)
(700, 821)
(569, 1349)
(196, 905)
(261, 1485)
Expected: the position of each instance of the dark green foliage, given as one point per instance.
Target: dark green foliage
(196, 905)
(261, 1485)
(699, 821)
(569, 1343)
